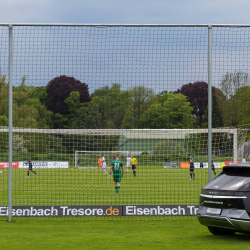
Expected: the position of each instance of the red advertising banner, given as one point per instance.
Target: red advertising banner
(5, 164)
(230, 162)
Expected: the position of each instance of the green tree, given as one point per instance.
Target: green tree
(44, 116)
(104, 111)
(155, 117)
(140, 99)
(60, 121)
(74, 107)
(232, 82)
(162, 97)
(3, 84)
(236, 110)
(103, 91)
(179, 112)
(217, 119)
(28, 105)
(39, 93)
(4, 97)
(91, 114)
(73, 102)
(18, 144)
(24, 116)
(116, 102)
(4, 121)
(175, 112)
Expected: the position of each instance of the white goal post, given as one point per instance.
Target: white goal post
(89, 159)
(49, 138)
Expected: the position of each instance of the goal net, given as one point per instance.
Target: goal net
(83, 90)
(89, 159)
(69, 178)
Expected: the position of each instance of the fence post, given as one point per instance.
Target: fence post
(10, 125)
(209, 101)
(235, 143)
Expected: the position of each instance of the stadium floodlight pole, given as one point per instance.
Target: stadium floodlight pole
(10, 124)
(209, 101)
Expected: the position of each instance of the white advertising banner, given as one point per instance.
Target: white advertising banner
(205, 165)
(44, 164)
(58, 164)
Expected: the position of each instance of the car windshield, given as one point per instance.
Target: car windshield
(237, 171)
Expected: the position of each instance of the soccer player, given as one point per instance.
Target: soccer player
(104, 165)
(243, 160)
(128, 164)
(29, 161)
(78, 161)
(213, 169)
(166, 159)
(112, 159)
(100, 163)
(116, 167)
(201, 164)
(133, 163)
(191, 161)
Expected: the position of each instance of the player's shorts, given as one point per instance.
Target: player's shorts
(128, 164)
(117, 178)
(191, 167)
(213, 169)
(30, 167)
(133, 167)
(104, 165)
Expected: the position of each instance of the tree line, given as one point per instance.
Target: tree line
(66, 103)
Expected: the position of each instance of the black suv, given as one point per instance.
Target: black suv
(225, 201)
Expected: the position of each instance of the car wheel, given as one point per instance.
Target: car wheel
(220, 231)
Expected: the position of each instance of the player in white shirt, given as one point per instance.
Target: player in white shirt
(243, 160)
(128, 164)
(104, 165)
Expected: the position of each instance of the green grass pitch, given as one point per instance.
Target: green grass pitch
(60, 187)
(122, 235)
(152, 185)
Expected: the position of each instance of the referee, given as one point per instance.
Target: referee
(133, 163)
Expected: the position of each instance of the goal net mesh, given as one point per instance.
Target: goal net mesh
(82, 91)
(70, 174)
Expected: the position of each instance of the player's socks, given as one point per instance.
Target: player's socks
(193, 176)
(134, 173)
(34, 172)
(118, 187)
(28, 173)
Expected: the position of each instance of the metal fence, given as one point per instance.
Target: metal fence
(128, 78)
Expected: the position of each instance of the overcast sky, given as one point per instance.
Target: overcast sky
(125, 11)
(166, 58)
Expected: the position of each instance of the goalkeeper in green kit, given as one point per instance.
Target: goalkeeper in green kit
(116, 167)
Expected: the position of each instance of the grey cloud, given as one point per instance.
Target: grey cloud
(129, 11)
